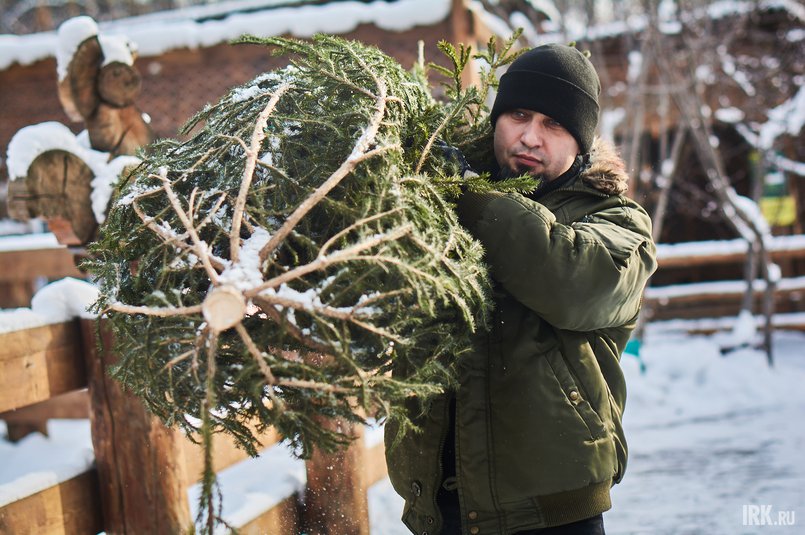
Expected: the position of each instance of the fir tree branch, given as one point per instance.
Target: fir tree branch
(252, 153)
(293, 330)
(160, 312)
(321, 262)
(259, 358)
(360, 147)
(353, 226)
(200, 248)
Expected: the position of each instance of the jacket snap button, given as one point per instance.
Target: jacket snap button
(473, 515)
(416, 488)
(574, 396)
(475, 530)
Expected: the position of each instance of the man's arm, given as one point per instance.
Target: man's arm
(583, 276)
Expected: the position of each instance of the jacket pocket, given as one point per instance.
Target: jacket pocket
(576, 395)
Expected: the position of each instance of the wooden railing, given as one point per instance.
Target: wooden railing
(142, 470)
(724, 298)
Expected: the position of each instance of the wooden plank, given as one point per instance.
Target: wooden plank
(282, 519)
(20, 266)
(225, 453)
(721, 291)
(22, 422)
(39, 363)
(69, 508)
(375, 467)
(725, 252)
(140, 462)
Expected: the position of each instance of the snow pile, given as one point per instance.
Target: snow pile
(70, 36)
(253, 486)
(688, 378)
(36, 462)
(57, 302)
(106, 176)
(206, 26)
(32, 141)
(116, 49)
(28, 242)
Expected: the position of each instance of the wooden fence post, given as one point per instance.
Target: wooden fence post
(140, 462)
(335, 496)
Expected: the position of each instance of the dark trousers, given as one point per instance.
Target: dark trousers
(448, 504)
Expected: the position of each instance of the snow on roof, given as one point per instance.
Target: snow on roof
(581, 31)
(206, 26)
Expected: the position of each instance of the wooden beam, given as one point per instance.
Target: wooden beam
(225, 453)
(24, 421)
(335, 495)
(720, 291)
(140, 462)
(22, 266)
(374, 465)
(282, 519)
(39, 363)
(71, 507)
(690, 254)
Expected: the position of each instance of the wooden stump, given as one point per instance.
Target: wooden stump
(140, 462)
(57, 188)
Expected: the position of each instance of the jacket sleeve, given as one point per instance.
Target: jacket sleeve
(583, 276)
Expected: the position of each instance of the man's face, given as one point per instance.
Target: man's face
(527, 141)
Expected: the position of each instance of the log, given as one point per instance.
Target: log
(118, 84)
(82, 76)
(335, 500)
(117, 130)
(39, 363)
(58, 188)
(140, 462)
(22, 422)
(69, 507)
(25, 265)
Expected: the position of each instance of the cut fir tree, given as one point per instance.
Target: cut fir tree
(296, 258)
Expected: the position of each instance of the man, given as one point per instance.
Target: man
(531, 439)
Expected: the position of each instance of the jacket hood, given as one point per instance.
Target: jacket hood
(607, 171)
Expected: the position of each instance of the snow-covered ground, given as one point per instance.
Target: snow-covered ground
(708, 434)
(710, 438)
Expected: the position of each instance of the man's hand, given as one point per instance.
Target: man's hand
(456, 157)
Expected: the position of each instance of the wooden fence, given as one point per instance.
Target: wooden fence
(143, 470)
(718, 299)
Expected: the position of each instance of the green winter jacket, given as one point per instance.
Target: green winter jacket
(538, 429)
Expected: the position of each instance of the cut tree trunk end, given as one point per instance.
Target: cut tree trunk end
(57, 188)
(224, 308)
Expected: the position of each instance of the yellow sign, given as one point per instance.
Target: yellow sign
(779, 211)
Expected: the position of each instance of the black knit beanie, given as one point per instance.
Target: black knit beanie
(558, 81)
